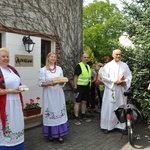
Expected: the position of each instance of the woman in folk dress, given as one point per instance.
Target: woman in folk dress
(55, 120)
(11, 116)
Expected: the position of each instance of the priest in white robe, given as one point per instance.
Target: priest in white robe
(116, 77)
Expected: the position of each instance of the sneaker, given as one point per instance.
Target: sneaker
(77, 122)
(90, 111)
(86, 119)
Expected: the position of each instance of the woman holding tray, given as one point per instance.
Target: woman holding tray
(55, 120)
(11, 102)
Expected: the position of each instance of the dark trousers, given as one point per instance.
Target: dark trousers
(99, 96)
(91, 103)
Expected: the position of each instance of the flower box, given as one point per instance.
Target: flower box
(31, 112)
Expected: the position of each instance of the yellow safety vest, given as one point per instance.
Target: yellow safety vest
(85, 77)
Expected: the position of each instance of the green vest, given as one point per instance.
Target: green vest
(101, 87)
(85, 77)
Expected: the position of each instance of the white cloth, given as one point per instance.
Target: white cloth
(113, 94)
(100, 72)
(148, 87)
(15, 120)
(54, 105)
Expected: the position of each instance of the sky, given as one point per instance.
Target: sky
(86, 2)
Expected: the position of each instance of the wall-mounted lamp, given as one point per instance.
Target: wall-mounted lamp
(28, 44)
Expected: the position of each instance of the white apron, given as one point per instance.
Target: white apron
(54, 105)
(15, 120)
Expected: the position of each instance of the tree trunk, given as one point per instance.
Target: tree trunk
(60, 18)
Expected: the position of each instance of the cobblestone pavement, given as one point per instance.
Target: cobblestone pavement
(88, 136)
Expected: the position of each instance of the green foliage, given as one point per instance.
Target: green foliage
(70, 109)
(102, 24)
(91, 56)
(138, 58)
(33, 106)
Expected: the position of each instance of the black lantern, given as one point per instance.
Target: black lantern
(28, 44)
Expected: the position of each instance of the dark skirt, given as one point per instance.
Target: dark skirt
(16, 147)
(56, 131)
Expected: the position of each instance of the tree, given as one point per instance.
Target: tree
(102, 25)
(57, 19)
(91, 56)
(138, 28)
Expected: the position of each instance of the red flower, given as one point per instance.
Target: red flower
(38, 98)
(32, 104)
(27, 104)
(31, 101)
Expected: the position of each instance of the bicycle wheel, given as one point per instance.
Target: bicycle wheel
(130, 134)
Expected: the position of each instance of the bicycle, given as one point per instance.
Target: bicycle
(129, 114)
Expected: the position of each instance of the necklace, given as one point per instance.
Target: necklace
(53, 70)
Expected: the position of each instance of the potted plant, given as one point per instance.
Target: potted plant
(32, 108)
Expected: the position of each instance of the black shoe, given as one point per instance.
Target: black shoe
(124, 131)
(105, 131)
(50, 139)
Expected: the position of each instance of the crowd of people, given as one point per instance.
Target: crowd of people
(107, 80)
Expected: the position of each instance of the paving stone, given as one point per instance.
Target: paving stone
(88, 136)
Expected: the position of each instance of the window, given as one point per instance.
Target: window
(45, 49)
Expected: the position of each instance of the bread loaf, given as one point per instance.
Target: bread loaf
(60, 80)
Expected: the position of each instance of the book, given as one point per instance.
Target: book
(122, 78)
